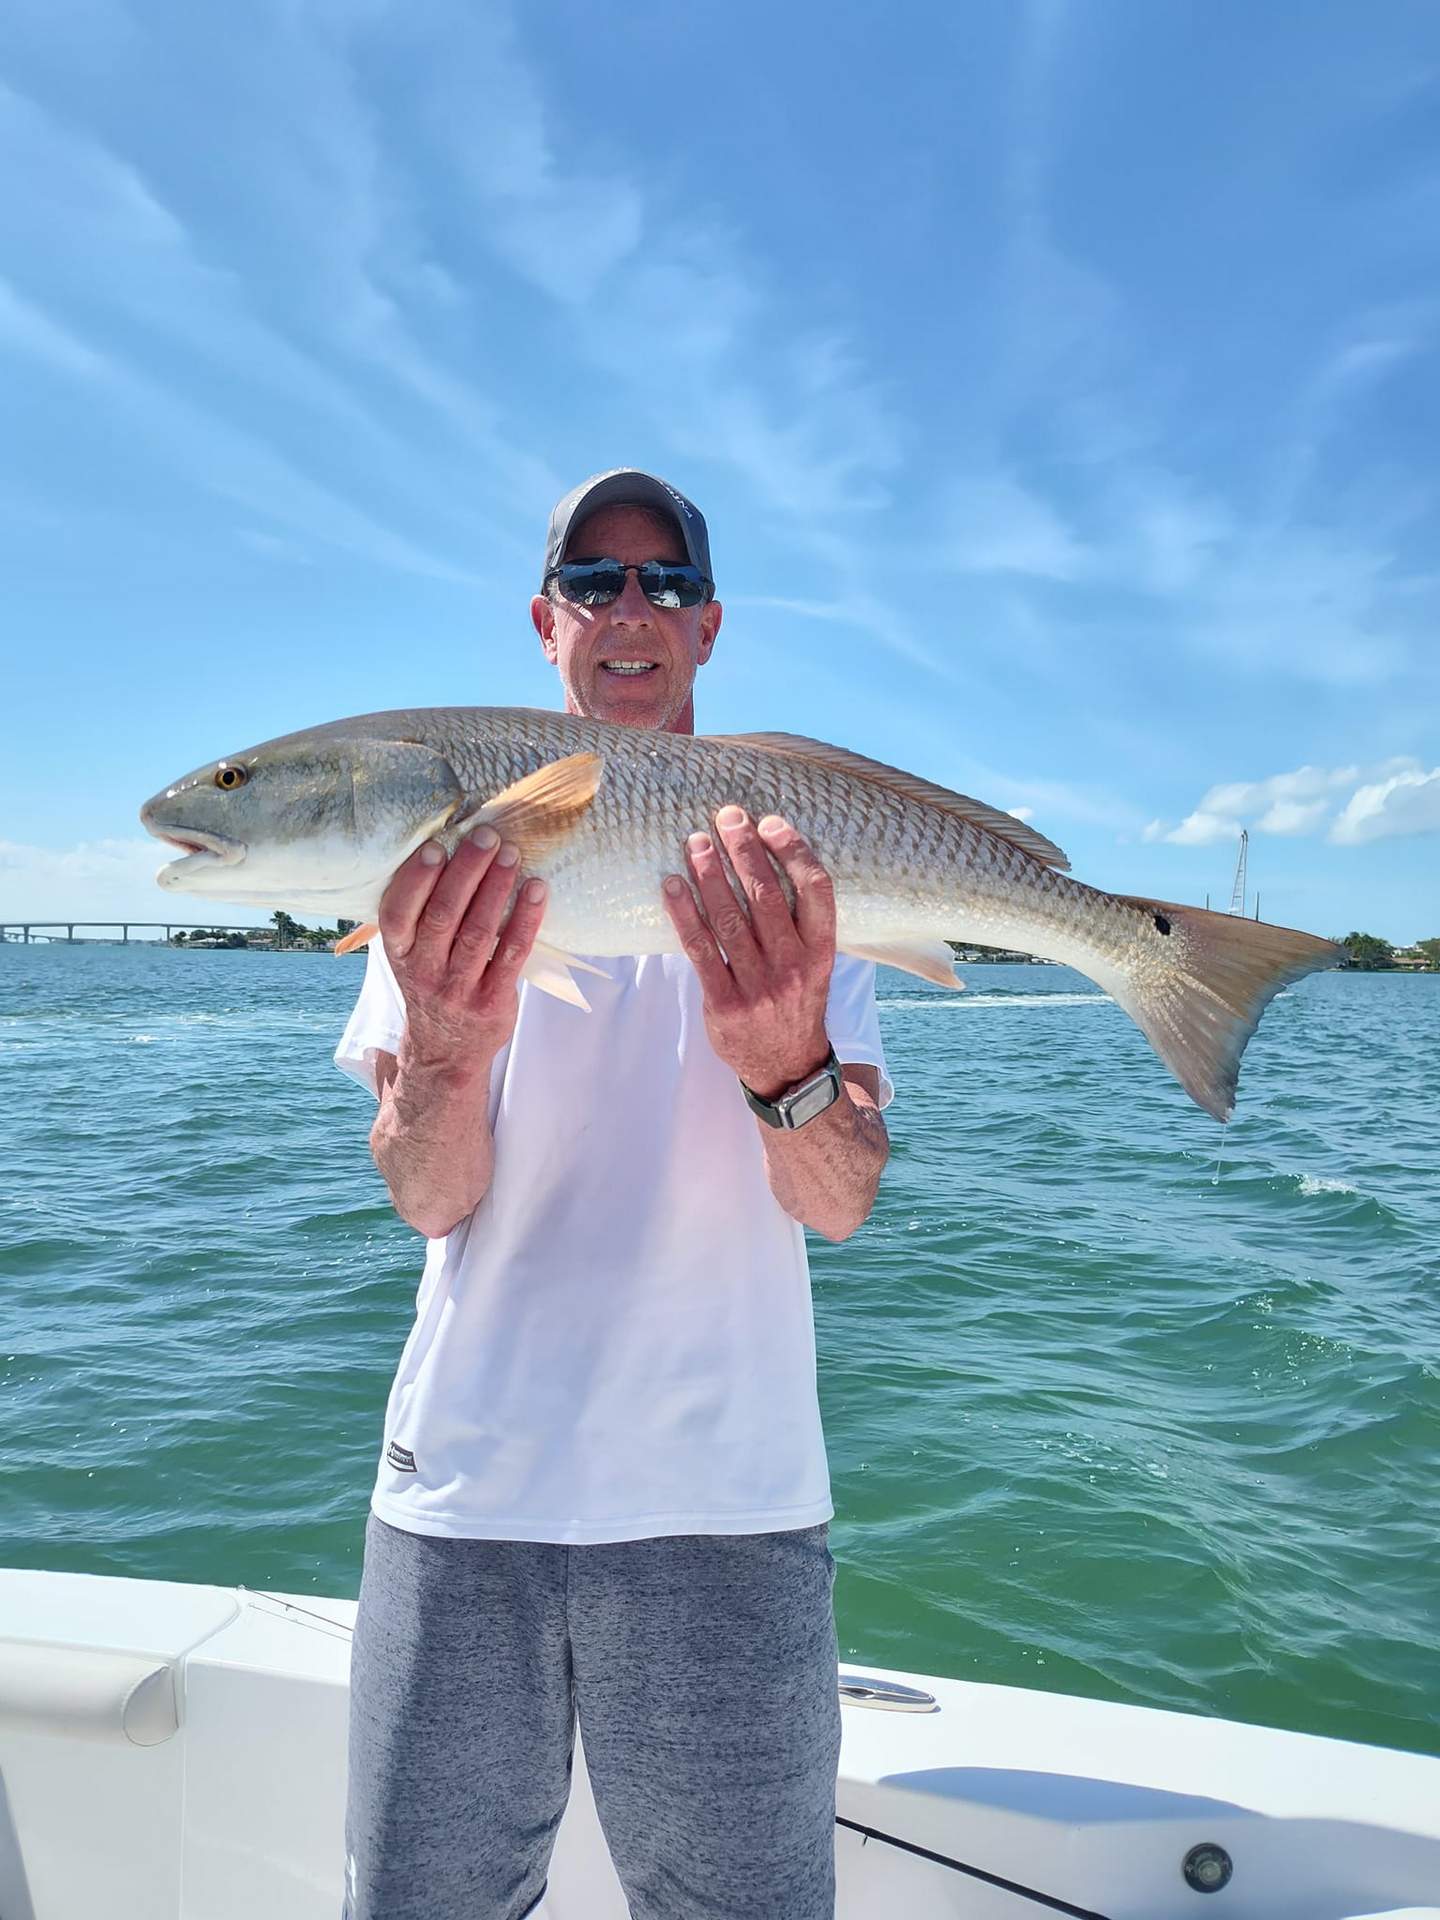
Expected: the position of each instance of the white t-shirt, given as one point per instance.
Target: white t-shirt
(618, 1342)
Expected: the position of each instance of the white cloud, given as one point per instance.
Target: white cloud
(1292, 816)
(1245, 798)
(1199, 829)
(1021, 813)
(1397, 797)
(1407, 802)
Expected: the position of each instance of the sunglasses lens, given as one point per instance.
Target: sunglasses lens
(591, 584)
(671, 586)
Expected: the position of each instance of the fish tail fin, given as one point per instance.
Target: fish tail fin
(1199, 1008)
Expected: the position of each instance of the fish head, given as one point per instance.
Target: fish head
(316, 820)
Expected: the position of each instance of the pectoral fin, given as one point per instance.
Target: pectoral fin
(540, 809)
(931, 959)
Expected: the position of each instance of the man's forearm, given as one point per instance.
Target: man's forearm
(826, 1174)
(432, 1142)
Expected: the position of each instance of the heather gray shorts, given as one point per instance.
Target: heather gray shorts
(702, 1668)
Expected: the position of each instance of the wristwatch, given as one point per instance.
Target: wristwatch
(802, 1102)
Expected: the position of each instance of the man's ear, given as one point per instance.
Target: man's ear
(543, 615)
(711, 615)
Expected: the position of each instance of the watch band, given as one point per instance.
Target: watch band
(803, 1102)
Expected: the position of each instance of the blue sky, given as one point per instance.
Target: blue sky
(1059, 382)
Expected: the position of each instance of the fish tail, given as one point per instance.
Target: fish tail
(1215, 976)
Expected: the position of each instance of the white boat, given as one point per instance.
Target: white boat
(177, 1752)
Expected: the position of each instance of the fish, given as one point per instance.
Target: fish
(319, 820)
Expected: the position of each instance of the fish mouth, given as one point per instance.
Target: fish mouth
(200, 850)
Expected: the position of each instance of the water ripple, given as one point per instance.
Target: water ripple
(1098, 1420)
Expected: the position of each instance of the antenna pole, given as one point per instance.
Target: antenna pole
(1237, 892)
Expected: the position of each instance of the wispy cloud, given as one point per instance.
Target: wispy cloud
(994, 523)
(683, 315)
(1071, 801)
(25, 330)
(109, 259)
(104, 880)
(1089, 475)
(1372, 344)
(221, 458)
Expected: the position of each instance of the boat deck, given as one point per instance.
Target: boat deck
(174, 1752)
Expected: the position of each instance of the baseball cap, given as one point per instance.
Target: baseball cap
(628, 487)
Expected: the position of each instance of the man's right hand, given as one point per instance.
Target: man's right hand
(455, 951)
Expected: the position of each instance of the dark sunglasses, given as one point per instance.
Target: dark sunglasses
(597, 583)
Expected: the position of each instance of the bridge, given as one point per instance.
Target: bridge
(27, 931)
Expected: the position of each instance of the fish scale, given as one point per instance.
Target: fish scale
(320, 819)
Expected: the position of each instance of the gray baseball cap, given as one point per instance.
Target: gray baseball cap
(628, 487)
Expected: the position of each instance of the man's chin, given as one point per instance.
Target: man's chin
(640, 706)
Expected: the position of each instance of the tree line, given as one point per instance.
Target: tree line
(1370, 954)
(288, 933)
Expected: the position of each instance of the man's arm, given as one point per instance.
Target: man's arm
(456, 957)
(826, 1174)
(431, 1140)
(765, 977)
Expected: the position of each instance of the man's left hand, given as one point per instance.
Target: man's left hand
(765, 973)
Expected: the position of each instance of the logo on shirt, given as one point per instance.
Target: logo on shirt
(400, 1457)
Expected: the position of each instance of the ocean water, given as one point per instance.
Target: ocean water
(1099, 1422)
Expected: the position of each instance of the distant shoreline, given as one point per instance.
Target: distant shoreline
(964, 956)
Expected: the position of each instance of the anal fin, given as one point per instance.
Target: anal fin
(549, 969)
(360, 936)
(931, 959)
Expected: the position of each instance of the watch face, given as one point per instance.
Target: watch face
(812, 1100)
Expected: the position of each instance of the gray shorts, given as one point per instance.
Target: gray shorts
(702, 1668)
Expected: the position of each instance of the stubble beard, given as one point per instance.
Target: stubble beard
(651, 720)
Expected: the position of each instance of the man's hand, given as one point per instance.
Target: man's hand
(765, 993)
(455, 952)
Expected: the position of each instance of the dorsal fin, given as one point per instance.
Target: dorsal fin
(841, 760)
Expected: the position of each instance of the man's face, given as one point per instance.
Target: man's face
(592, 646)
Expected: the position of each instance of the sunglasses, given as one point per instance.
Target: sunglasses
(597, 583)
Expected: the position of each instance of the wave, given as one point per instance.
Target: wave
(1310, 1183)
(927, 1005)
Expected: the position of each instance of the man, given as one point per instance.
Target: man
(603, 1488)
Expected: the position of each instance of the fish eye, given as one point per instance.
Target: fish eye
(229, 777)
